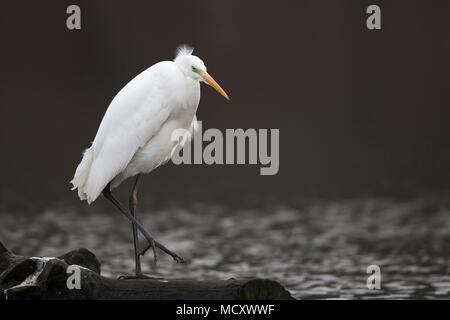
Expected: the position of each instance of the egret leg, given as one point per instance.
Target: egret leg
(132, 204)
(152, 243)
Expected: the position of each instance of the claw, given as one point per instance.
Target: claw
(178, 259)
(155, 244)
(138, 276)
(142, 253)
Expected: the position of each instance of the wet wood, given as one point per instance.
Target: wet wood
(24, 277)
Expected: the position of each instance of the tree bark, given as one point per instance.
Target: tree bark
(46, 278)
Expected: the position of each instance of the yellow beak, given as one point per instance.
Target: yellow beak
(214, 84)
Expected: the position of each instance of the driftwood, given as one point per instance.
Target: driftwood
(46, 278)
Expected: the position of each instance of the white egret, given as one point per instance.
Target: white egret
(134, 136)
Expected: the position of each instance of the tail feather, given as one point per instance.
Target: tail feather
(82, 173)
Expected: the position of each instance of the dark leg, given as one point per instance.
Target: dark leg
(133, 201)
(132, 205)
(108, 194)
(152, 243)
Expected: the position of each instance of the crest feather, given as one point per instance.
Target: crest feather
(183, 50)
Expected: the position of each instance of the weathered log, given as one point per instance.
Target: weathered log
(46, 278)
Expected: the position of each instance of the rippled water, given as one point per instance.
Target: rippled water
(317, 249)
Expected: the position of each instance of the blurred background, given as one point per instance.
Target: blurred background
(362, 114)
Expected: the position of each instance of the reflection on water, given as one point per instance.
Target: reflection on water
(317, 250)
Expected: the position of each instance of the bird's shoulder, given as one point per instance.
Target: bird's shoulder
(164, 71)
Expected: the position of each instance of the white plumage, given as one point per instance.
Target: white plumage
(135, 133)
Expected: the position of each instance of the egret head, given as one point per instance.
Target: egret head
(193, 67)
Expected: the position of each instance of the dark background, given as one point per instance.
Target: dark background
(359, 111)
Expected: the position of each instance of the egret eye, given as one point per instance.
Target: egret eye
(194, 68)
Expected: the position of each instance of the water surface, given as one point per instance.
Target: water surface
(318, 250)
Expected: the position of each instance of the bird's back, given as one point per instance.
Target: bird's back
(136, 114)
